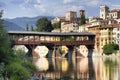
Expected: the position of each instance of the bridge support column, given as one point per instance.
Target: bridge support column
(76, 52)
(90, 50)
(70, 52)
(49, 55)
(56, 53)
(31, 51)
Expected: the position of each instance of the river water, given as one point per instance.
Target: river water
(96, 68)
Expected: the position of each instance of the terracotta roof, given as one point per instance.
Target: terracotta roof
(110, 26)
(103, 20)
(61, 18)
(86, 24)
(115, 10)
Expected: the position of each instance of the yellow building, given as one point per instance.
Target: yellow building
(106, 34)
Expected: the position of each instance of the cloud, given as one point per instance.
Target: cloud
(40, 8)
(65, 8)
(17, 2)
(67, 1)
(33, 7)
(93, 2)
(116, 6)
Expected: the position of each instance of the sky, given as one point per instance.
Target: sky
(33, 8)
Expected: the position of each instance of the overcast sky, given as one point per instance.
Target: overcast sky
(32, 8)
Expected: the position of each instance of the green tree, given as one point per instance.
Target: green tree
(27, 27)
(4, 43)
(56, 25)
(110, 48)
(5, 50)
(32, 28)
(12, 64)
(44, 25)
(20, 68)
(82, 19)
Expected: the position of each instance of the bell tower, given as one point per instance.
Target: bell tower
(104, 10)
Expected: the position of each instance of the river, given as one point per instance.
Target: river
(96, 68)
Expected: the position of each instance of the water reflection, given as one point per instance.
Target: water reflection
(111, 69)
(42, 64)
(98, 68)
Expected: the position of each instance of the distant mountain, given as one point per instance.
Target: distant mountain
(12, 26)
(23, 21)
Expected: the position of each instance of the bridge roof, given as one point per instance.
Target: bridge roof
(50, 33)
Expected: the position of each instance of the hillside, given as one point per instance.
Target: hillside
(23, 21)
(12, 26)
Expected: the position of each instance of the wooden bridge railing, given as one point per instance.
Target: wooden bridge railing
(87, 42)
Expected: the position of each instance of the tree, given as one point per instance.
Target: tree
(32, 28)
(12, 66)
(56, 25)
(82, 19)
(44, 25)
(20, 68)
(4, 43)
(110, 48)
(27, 27)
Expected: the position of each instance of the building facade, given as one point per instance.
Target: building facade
(105, 13)
(104, 10)
(71, 16)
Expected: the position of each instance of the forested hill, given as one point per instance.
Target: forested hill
(12, 26)
(23, 21)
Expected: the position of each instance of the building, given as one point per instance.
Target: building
(71, 16)
(57, 19)
(95, 29)
(68, 27)
(114, 14)
(70, 22)
(116, 34)
(104, 10)
(82, 12)
(109, 34)
(105, 13)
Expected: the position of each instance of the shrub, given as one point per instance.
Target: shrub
(110, 48)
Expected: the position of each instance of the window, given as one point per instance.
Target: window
(118, 29)
(117, 35)
(102, 15)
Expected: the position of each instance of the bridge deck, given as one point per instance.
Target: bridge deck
(50, 33)
(51, 38)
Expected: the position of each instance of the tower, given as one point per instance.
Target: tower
(71, 16)
(82, 17)
(104, 11)
(82, 12)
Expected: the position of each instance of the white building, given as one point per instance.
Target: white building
(116, 35)
(105, 13)
(104, 10)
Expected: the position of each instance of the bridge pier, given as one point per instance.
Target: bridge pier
(90, 50)
(69, 53)
(31, 51)
(50, 47)
(53, 51)
(56, 52)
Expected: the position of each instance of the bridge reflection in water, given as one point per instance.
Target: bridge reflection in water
(64, 69)
(78, 68)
